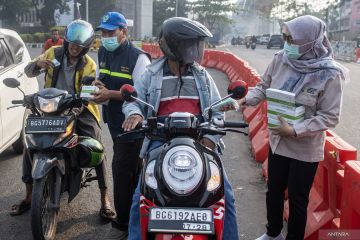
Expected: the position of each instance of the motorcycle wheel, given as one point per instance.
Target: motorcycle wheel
(43, 214)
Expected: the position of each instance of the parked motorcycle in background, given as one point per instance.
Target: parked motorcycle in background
(62, 160)
(182, 182)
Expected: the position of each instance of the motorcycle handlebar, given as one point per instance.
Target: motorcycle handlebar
(17, 101)
(230, 124)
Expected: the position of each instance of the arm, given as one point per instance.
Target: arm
(139, 69)
(33, 68)
(258, 93)
(141, 86)
(328, 110)
(214, 96)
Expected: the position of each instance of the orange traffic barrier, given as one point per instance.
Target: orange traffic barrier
(259, 120)
(260, 144)
(350, 204)
(326, 194)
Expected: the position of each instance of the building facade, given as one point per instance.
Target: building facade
(253, 20)
(140, 16)
(344, 20)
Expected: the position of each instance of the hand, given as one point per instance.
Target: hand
(131, 122)
(208, 143)
(242, 101)
(44, 64)
(102, 95)
(284, 130)
(229, 106)
(98, 83)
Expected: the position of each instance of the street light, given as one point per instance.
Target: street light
(176, 8)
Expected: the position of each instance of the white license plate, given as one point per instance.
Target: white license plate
(181, 220)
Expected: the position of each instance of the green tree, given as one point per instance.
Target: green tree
(46, 13)
(164, 9)
(213, 13)
(10, 9)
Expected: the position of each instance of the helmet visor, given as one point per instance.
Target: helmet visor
(80, 35)
(191, 50)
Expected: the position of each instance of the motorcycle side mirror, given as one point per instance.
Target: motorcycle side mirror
(87, 80)
(11, 82)
(128, 93)
(238, 89)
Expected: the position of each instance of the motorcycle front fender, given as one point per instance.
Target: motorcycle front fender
(43, 163)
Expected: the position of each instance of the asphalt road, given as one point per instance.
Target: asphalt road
(349, 126)
(79, 220)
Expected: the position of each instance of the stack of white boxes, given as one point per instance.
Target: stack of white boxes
(283, 103)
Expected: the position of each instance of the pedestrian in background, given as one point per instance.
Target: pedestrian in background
(305, 67)
(55, 40)
(119, 63)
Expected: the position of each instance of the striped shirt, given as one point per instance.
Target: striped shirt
(177, 97)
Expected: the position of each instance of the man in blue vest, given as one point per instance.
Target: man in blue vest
(119, 63)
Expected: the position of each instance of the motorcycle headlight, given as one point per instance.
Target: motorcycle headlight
(214, 181)
(182, 169)
(150, 179)
(49, 105)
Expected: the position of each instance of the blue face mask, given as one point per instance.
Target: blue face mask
(110, 43)
(292, 50)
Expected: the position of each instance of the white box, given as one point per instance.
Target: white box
(280, 97)
(86, 91)
(286, 111)
(273, 121)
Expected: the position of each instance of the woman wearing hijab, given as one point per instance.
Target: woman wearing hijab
(305, 67)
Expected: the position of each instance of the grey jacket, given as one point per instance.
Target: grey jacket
(148, 88)
(322, 111)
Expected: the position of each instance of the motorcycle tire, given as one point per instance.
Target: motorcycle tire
(44, 226)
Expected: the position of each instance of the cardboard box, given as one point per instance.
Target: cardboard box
(273, 121)
(282, 103)
(287, 112)
(280, 97)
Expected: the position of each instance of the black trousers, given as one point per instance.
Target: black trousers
(86, 125)
(298, 177)
(126, 167)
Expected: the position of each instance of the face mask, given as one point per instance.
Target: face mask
(292, 51)
(110, 43)
(55, 39)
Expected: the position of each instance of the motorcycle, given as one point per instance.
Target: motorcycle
(62, 160)
(253, 45)
(182, 181)
(247, 44)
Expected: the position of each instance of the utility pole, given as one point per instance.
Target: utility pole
(87, 10)
(176, 7)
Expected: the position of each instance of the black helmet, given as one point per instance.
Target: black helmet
(81, 33)
(183, 40)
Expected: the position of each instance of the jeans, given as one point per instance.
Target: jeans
(298, 177)
(230, 222)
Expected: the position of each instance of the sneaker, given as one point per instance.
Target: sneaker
(267, 237)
